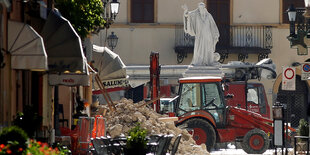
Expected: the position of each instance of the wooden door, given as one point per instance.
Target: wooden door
(220, 10)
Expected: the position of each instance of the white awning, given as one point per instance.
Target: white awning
(110, 67)
(63, 45)
(66, 61)
(26, 47)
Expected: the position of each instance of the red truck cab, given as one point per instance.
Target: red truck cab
(255, 97)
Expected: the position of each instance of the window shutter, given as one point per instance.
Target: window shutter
(142, 11)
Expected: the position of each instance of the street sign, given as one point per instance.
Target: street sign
(288, 78)
(305, 71)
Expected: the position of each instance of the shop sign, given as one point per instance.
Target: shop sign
(116, 83)
(68, 79)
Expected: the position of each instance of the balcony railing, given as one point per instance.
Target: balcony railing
(235, 39)
(251, 36)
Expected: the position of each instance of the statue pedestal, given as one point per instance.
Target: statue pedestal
(194, 71)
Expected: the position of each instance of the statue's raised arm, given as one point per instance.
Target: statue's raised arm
(184, 7)
(185, 18)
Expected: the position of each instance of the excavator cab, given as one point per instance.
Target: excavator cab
(203, 95)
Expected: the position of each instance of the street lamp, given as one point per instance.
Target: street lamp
(114, 8)
(111, 8)
(112, 40)
(300, 36)
(292, 18)
(307, 5)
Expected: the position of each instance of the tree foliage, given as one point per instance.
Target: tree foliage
(84, 15)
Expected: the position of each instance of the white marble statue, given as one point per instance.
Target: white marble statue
(200, 23)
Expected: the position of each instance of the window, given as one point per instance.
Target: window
(211, 94)
(142, 11)
(220, 10)
(212, 102)
(262, 100)
(166, 105)
(286, 4)
(190, 98)
(252, 95)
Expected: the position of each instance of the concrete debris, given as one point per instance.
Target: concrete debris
(127, 114)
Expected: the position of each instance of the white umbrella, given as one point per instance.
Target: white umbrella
(109, 66)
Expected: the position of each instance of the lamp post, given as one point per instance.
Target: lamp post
(114, 8)
(300, 36)
(111, 8)
(112, 40)
(292, 18)
(307, 5)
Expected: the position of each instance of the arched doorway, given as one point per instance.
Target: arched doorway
(296, 101)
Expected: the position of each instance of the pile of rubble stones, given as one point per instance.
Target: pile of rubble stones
(127, 114)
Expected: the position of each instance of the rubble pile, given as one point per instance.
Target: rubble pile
(127, 114)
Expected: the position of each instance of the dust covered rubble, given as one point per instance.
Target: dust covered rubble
(127, 114)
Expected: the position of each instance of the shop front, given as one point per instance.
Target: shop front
(68, 75)
(25, 72)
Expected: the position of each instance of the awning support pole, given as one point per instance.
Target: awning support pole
(105, 93)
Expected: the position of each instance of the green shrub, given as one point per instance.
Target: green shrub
(137, 137)
(15, 137)
(303, 128)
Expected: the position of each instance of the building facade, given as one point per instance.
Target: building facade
(250, 30)
(28, 89)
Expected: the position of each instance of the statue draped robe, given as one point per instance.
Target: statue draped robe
(206, 36)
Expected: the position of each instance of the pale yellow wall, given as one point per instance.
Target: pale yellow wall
(281, 52)
(135, 44)
(170, 11)
(137, 40)
(122, 15)
(256, 11)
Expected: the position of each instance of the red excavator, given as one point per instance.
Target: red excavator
(217, 109)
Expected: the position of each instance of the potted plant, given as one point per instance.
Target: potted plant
(303, 130)
(136, 141)
(13, 139)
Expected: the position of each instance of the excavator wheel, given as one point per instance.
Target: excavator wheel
(202, 131)
(255, 142)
